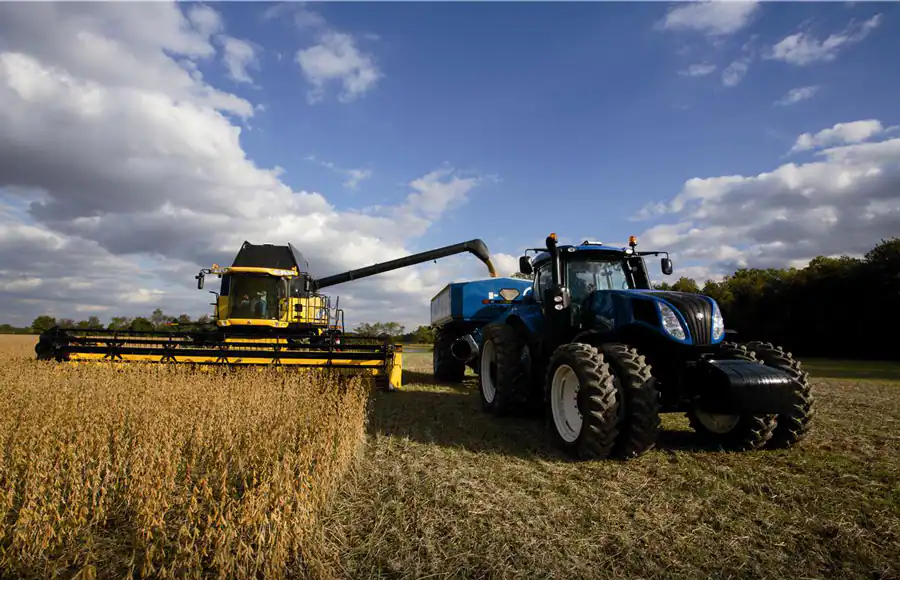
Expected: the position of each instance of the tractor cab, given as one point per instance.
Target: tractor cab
(585, 269)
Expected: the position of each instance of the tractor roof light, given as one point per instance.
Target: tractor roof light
(632, 241)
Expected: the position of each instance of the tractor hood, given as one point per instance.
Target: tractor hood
(683, 317)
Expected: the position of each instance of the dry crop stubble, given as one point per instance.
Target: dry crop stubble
(447, 491)
(160, 471)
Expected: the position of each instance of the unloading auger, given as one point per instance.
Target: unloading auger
(268, 312)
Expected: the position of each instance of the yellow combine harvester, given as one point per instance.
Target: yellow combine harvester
(268, 312)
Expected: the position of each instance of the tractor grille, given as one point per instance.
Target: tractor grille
(697, 313)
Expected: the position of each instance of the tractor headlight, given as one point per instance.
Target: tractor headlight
(718, 323)
(671, 322)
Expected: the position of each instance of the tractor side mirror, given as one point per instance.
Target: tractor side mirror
(666, 265)
(525, 265)
(200, 281)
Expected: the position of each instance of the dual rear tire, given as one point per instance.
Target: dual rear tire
(601, 402)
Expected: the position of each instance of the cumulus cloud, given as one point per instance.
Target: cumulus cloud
(735, 72)
(337, 58)
(712, 18)
(698, 70)
(840, 133)
(802, 48)
(122, 172)
(797, 95)
(239, 56)
(843, 202)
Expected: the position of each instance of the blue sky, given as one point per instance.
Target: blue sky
(579, 108)
(144, 140)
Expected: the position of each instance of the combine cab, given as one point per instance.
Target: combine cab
(268, 312)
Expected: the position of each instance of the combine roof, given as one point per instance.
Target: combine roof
(269, 256)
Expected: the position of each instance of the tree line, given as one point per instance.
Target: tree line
(840, 307)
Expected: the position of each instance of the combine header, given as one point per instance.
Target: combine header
(268, 312)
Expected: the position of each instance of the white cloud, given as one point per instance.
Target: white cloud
(122, 173)
(802, 48)
(698, 70)
(735, 72)
(840, 133)
(712, 18)
(337, 58)
(843, 202)
(239, 56)
(797, 95)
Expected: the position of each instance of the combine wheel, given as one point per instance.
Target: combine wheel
(795, 425)
(503, 371)
(733, 432)
(581, 394)
(637, 394)
(446, 367)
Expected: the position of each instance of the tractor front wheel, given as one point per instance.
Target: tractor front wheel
(581, 395)
(733, 432)
(795, 424)
(503, 370)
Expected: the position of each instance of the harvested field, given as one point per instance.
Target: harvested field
(446, 491)
(152, 471)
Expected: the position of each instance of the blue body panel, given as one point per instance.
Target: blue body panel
(465, 301)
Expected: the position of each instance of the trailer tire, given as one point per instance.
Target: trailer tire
(503, 370)
(735, 432)
(638, 398)
(580, 392)
(793, 426)
(446, 368)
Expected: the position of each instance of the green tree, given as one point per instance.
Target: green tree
(119, 323)
(142, 324)
(67, 323)
(184, 319)
(686, 284)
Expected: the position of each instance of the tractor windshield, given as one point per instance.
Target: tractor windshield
(587, 275)
(255, 296)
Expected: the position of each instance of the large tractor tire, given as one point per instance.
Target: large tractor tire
(504, 370)
(733, 432)
(794, 425)
(446, 368)
(581, 395)
(638, 397)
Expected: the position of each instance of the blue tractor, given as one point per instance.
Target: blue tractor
(590, 341)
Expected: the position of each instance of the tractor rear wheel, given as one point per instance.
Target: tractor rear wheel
(446, 368)
(637, 397)
(733, 432)
(503, 370)
(795, 424)
(581, 395)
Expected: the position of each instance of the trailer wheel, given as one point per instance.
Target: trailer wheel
(733, 432)
(638, 397)
(504, 366)
(581, 395)
(446, 367)
(795, 425)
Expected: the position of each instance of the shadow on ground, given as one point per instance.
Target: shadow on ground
(450, 415)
